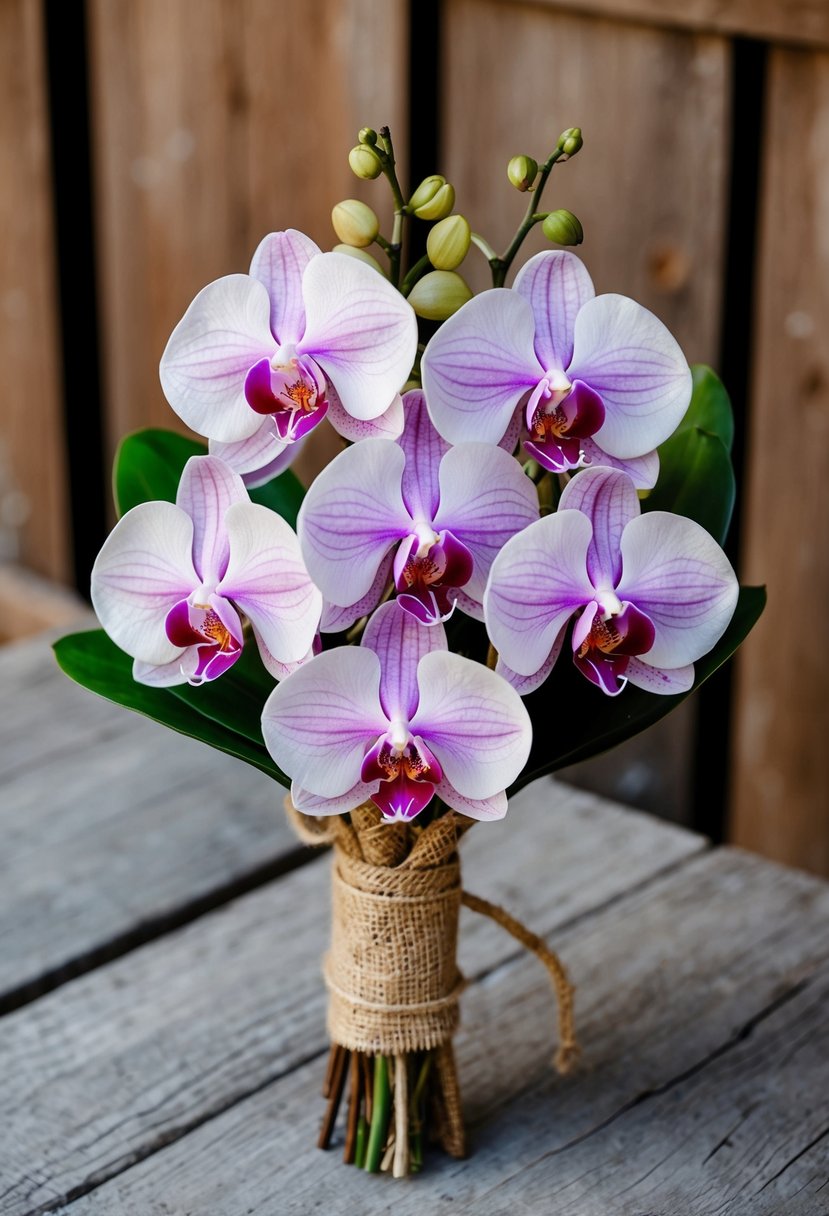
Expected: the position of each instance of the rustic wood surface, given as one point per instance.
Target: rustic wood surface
(781, 777)
(180, 1073)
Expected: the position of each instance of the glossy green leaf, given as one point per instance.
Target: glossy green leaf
(573, 720)
(284, 495)
(696, 479)
(237, 698)
(92, 660)
(710, 407)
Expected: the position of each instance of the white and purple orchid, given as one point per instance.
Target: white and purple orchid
(448, 511)
(397, 720)
(258, 360)
(172, 579)
(650, 593)
(600, 380)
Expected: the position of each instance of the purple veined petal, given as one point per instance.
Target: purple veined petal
(509, 440)
(279, 671)
(476, 808)
(424, 448)
(556, 286)
(608, 498)
(485, 499)
(524, 685)
(143, 569)
(351, 516)
(642, 470)
(360, 330)
(388, 425)
(279, 264)
(207, 488)
(537, 581)
(166, 675)
(267, 578)
(677, 574)
(470, 606)
(313, 804)
(479, 365)
(472, 720)
(663, 680)
(400, 643)
(258, 458)
(335, 618)
(223, 333)
(402, 799)
(319, 722)
(632, 361)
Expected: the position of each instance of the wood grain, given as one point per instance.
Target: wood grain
(140, 1051)
(781, 761)
(33, 487)
(215, 122)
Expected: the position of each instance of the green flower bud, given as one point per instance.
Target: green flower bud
(361, 255)
(439, 205)
(355, 223)
(365, 163)
(438, 294)
(426, 191)
(522, 172)
(563, 228)
(367, 136)
(570, 141)
(448, 242)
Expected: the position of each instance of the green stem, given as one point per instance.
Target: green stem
(383, 243)
(483, 244)
(500, 265)
(381, 1109)
(389, 170)
(417, 271)
(360, 1143)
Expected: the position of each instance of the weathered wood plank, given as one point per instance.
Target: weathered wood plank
(110, 824)
(190, 1024)
(201, 149)
(699, 1001)
(781, 762)
(33, 490)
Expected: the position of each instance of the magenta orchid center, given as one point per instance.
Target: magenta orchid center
(559, 414)
(406, 769)
(289, 387)
(202, 625)
(429, 568)
(607, 635)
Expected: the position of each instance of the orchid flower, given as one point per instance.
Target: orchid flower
(599, 378)
(650, 593)
(447, 510)
(258, 360)
(172, 581)
(397, 720)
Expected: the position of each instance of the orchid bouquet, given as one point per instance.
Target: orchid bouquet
(513, 564)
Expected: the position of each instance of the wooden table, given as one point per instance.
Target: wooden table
(163, 1043)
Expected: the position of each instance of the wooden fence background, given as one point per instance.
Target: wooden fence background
(704, 192)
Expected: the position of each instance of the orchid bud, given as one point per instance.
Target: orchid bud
(522, 172)
(448, 242)
(439, 206)
(570, 141)
(426, 191)
(364, 162)
(361, 255)
(367, 136)
(439, 294)
(355, 223)
(563, 228)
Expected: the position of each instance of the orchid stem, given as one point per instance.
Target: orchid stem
(420, 267)
(381, 1103)
(500, 265)
(394, 250)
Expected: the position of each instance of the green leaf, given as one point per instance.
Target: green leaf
(696, 480)
(710, 407)
(92, 660)
(573, 720)
(237, 698)
(149, 464)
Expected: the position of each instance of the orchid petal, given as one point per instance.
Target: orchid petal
(424, 449)
(473, 721)
(400, 643)
(335, 618)
(610, 501)
(403, 798)
(351, 516)
(509, 440)
(632, 361)
(388, 425)
(537, 581)
(144, 568)
(524, 685)
(223, 333)
(360, 330)
(259, 457)
(319, 722)
(279, 670)
(206, 489)
(556, 286)
(479, 365)
(642, 470)
(313, 804)
(166, 675)
(476, 808)
(279, 263)
(485, 498)
(267, 578)
(667, 681)
(606, 671)
(676, 573)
